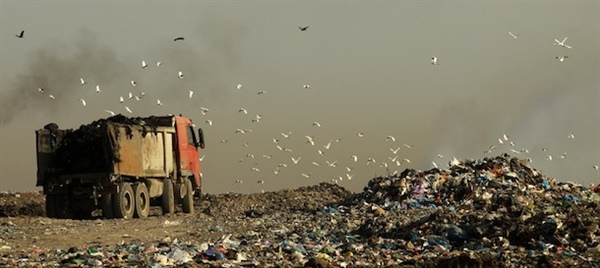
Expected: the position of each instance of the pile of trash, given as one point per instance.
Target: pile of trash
(495, 212)
(490, 204)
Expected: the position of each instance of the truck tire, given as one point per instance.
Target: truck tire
(168, 197)
(188, 198)
(63, 207)
(124, 201)
(107, 206)
(51, 206)
(142, 201)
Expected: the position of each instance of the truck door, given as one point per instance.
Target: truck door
(189, 161)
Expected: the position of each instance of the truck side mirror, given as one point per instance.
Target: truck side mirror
(200, 138)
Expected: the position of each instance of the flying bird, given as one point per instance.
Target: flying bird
(178, 39)
(317, 124)
(407, 145)
(83, 102)
(306, 86)
(82, 81)
(190, 94)
(434, 61)
(158, 63)
(354, 158)
(303, 28)
(513, 36)
(261, 92)
(395, 151)
(144, 65)
(110, 112)
(306, 175)
(21, 34)
(121, 100)
(296, 160)
(562, 43)
(209, 122)
(242, 110)
(360, 134)
(158, 102)
(180, 75)
(40, 90)
(97, 89)
(133, 83)
(390, 138)
(562, 59)
(128, 110)
(239, 86)
(286, 135)
(571, 136)
(51, 96)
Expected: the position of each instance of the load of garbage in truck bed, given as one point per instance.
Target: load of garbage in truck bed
(83, 150)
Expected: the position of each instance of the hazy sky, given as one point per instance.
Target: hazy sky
(368, 64)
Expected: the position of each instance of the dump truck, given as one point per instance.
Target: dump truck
(120, 166)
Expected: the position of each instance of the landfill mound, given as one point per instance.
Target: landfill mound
(493, 212)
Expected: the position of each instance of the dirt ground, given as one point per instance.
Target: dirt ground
(24, 227)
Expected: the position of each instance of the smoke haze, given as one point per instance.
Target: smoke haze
(368, 67)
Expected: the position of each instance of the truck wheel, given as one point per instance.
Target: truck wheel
(51, 206)
(142, 201)
(107, 206)
(63, 207)
(188, 199)
(124, 201)
(168, 197)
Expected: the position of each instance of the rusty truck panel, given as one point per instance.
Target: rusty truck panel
(138, 152)
(46, 143)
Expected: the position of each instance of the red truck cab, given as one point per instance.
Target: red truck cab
(188, 144)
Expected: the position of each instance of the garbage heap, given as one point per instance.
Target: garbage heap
(499, 205)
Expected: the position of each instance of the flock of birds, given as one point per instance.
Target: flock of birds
(286, 156)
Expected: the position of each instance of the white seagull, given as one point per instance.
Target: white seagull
(306, 175)
(562, 58)
(128, 110)
(51, 96)
(82, 81)
(296, 160)
(158, 102)
(354, 158)
(261, 92)
(513, 36)
(158, 63)
(110, 112)
(395, 151)
(286, 135)
(144, 65)
(562, 43)
(40, 90)
(133, 83)
(390, 138)
(97, 89)
(209, 122)
(190, 94)
(239, 86)
(180, 75)
(121, 100)
(83, 102)
(317, 124)
(306, 86)
(434, 61)
(571, 136)
(242, 110)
